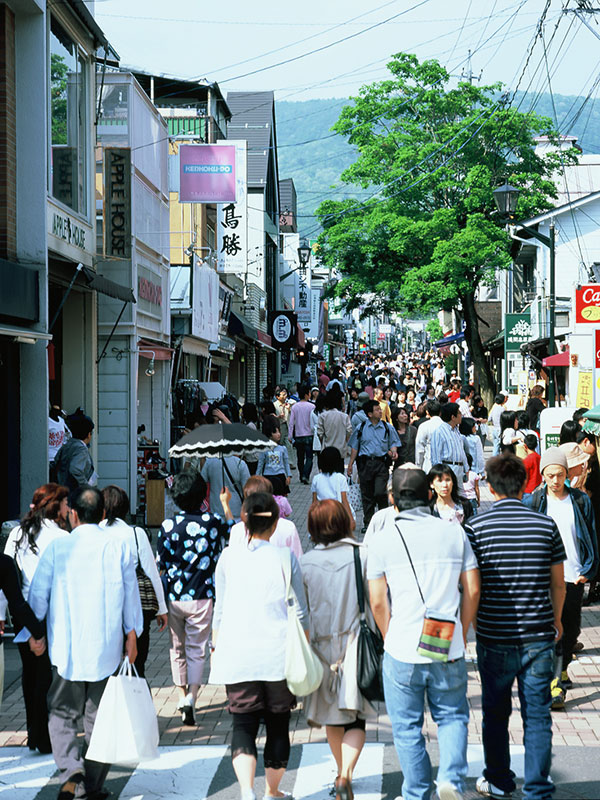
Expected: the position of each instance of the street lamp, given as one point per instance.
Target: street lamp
(304, 253)
(506, 197)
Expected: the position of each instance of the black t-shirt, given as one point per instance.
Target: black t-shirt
(533, 408)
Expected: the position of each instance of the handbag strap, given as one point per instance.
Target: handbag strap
(137, 548)
(286, 563)
(360, 589)
(233, 483)
(411, 563)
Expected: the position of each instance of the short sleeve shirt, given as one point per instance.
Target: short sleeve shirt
(440, 551)
(189, 546)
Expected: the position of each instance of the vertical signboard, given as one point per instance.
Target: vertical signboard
(303, 297)
(117, 202)
(232, 220)
(207, 173)
(517, 331)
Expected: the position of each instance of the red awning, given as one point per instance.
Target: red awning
(557, 360)
(300, 338)
(150, 350)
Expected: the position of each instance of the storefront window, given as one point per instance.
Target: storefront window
(69, 117)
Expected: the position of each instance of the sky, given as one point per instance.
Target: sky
(223, 41)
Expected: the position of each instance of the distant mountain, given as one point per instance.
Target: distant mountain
(315, 159)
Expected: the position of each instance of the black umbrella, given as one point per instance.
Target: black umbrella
(221, 440)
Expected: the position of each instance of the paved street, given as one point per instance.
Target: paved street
(195, 763)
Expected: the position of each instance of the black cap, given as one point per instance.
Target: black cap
(410, 483)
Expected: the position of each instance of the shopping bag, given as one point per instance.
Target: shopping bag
(354, 495)
(126, 728)
(303, 670)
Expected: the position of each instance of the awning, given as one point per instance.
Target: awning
(265, 339)
(557, 360)
(105, 286)
(495, 342)
(24, 335)
(224, 345)
(239, 326)
(455, 337)
(194, 346)
(150, 350)
(300, 338)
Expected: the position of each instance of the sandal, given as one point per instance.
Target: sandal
(343, 789)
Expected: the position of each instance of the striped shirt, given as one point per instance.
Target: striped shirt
(515, 548)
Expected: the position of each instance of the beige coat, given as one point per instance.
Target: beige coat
(334, 429)
(330, 584)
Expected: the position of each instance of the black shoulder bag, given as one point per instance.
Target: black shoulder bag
(370, 646)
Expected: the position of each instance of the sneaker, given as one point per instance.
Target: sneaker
(274, 797)
(566, 682)
(558, 696)
(69, 788)
(488, 789)
(446, 791)
(186, 706)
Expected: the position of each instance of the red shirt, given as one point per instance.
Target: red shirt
(532, 467)
(453, 397)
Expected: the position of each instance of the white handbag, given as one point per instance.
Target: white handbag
(354, 495)
(303, 670)
(126, 729)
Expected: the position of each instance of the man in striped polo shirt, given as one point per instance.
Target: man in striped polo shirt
(520, 555)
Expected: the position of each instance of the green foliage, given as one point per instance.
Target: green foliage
(58, 98)
(434, 329)
(430, 235)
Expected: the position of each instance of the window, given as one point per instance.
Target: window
(68, 118)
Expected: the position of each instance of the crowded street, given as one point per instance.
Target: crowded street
(300, 400)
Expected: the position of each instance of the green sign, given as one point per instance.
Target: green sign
(517, 331)
(552, 440)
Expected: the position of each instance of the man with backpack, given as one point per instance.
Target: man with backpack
(374, 445)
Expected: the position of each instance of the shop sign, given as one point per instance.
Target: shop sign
(232, 220)
(597, 348)
(207, 173)
(152, 292)
(551, 420)
(117, 202)
(585, 390)
(282, 327)
(385, 328)
(303, 293)
(65, 228)
(205, 304)
(587, 304)
(517, 331)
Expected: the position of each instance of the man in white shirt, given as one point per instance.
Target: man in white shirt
(424, 434)
(420, 560)
(572, 511)
(494, 421)
(86, 588)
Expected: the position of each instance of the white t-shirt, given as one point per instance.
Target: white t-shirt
(56, 436)
(440, 551)
(329, 486)
(562, 513)
(284, 535)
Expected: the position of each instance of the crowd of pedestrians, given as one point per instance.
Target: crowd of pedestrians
(396, 439)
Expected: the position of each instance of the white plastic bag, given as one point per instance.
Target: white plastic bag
(126, 728)
(303, 670)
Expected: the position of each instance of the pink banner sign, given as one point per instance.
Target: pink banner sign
(206, 173)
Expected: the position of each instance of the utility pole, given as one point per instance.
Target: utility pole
(468, 75)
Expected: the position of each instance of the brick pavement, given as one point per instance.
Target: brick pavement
(579, 724)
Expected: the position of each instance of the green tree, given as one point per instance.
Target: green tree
(430, 236)
(58, 98)
(434, 329)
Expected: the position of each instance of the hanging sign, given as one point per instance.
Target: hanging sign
(207, 173)
(117, 202)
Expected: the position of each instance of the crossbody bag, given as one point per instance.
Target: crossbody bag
(438, 630)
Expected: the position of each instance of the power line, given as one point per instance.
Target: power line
(326, 46)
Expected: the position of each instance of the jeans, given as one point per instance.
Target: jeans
(445, 685)
(533, 667)
(304, 452)
(496, 441)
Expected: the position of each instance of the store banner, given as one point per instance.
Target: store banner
(232, 219)
(117, 202)
(303, 295)
(587, 304)
(585, 390)
(282, 328)
(207, 173)
(205, 306)
(517, 331)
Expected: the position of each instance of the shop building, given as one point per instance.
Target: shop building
(48, 281)
(134, 338)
